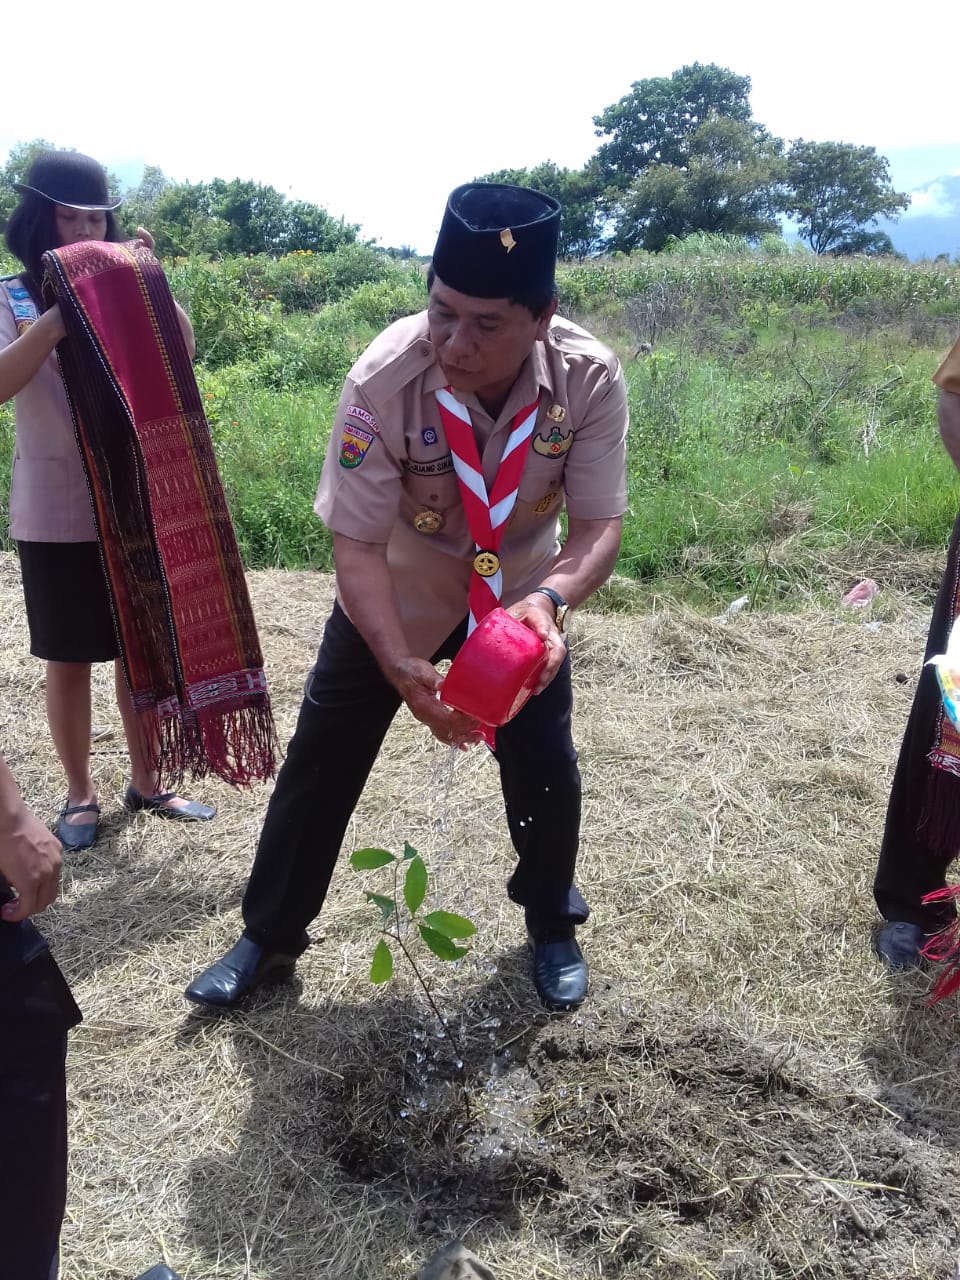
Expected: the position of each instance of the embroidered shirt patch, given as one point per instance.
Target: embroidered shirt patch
(21, 304)
(439, 467)
(355, 411)
(354, 444)
(555, 445)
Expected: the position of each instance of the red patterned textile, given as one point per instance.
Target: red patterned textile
(186, 630)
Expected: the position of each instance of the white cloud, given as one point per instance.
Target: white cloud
(931, 201)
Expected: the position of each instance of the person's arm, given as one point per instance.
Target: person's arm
(367, 591)
(948, 419)
(30, 855)
(585, 562)
(186, 328)
(23, 358)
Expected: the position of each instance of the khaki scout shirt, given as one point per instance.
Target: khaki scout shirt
(388, 461)
(947, 376)
(49, 498)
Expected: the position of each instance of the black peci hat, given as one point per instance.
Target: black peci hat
(68, 178)
(498, 241)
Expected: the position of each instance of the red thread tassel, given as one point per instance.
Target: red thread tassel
(944, 948)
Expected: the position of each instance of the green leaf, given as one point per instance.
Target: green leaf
(408, 851)
(441, 945)
(370, 859)
(415, 884)
(386, 905)
(450, 925)
(381, 968)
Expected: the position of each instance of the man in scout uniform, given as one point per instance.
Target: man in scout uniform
(461, 434)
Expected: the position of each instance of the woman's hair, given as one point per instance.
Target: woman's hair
(32, 230)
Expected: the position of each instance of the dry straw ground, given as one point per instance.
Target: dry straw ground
(745, 1094)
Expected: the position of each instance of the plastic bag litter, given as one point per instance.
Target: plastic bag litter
(861, 595)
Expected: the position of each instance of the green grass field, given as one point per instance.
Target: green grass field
(782, 413)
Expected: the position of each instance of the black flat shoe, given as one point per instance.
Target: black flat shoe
(246, 966)
(193, 811)
(159, 1272)
(559, 972)
(78, 835)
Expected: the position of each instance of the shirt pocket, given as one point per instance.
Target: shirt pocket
(41, 484)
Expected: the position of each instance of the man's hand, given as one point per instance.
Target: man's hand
(536, 611)
(30, 859)
(417, 683)
(145, 238)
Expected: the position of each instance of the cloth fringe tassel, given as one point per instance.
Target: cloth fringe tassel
(238, 745)
(944, 948)
(939, 825)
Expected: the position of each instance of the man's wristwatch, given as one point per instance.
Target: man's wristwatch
(560, 605)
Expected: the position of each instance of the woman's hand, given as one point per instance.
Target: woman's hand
(145, 238)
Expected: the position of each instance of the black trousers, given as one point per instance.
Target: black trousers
(347, 708)
(909, 865)
(36, 1010)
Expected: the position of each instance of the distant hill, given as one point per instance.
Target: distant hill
(931, 225)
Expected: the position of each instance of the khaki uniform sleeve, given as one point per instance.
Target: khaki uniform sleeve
(947, 376)
(595, 475)
(8, 325)
(362, 477)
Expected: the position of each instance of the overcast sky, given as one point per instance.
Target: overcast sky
(377, 110)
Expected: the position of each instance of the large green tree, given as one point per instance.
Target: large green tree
(836, 193)
(236, 217)
(654, 122)
(578, 192)
(729, 183)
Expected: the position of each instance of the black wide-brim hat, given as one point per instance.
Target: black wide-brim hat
(498, 241)
(69, 178)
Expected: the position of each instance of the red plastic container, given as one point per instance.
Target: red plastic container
(495, 671)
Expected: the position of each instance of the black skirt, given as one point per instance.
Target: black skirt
(68, 604)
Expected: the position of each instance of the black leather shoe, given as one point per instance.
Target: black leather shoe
(159, 1272)
(898, 945)
(78, 835)
(559, 972)
(231, 979)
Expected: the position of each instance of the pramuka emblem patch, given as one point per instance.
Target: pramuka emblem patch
(555, 445)
(354, 444)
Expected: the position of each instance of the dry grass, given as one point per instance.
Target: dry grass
(745, 1094)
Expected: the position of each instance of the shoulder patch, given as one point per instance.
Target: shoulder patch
(354, 443)
(355, 411)
(21, 304)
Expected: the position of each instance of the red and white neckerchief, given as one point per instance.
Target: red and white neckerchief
(487, 516)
